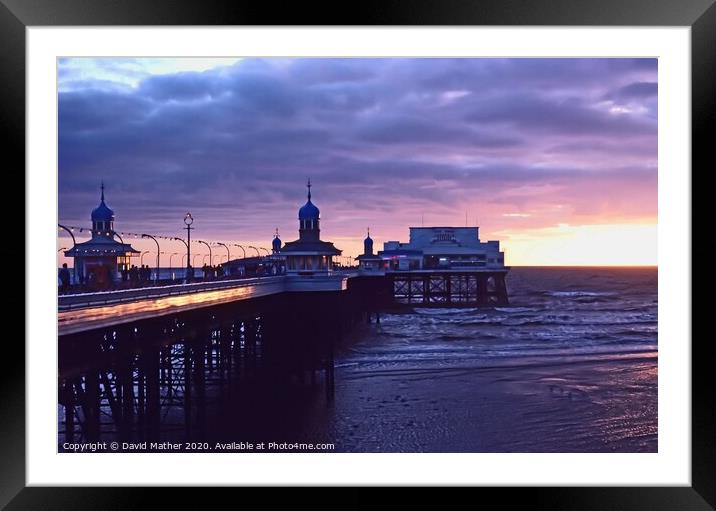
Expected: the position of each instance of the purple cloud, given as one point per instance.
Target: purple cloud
(384, 141)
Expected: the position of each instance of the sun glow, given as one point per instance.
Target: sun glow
(582, 245)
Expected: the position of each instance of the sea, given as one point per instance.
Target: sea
(569, 366)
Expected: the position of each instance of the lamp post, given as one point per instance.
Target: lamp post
(208, 246)
(182, 260)
(170, 259)
(257, 250)
(242, 249)
(228, 254)
(74, 243)
(194, 260)
(203, 259)
(188, 220)
(267, 252)
(156, 277)
(141, 257)
(61, 249)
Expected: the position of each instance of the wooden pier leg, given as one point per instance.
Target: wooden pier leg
(127, 397)
(153, 393)
(141, 401)
(69, 412)
(200, 385)
(502, 289)
(92, 406)
(187, 390)
(482, 290)
(169, 377)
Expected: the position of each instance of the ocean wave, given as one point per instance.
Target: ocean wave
(556, 322)
(444, 311)
(579, 294)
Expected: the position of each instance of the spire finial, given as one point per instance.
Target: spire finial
(276, 235)
(369, 232)
(309, 188)
(102, 187)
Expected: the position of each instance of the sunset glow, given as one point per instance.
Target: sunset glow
(556, 158)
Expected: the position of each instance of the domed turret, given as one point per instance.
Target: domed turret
(368, 244)
(276, 243)
(309, 211)
(309, 220)
(102, 218)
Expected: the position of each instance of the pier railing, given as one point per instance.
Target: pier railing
(81, 300)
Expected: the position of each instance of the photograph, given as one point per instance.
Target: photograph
(357, 255)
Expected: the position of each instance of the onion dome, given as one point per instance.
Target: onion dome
(276, 243)
(102, 213)
(309, 211)
(368, 244)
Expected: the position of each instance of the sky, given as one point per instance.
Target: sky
(556, 158)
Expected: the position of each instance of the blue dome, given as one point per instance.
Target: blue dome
(276, 243)
(102, 213)
(368, 245)
(308, 212)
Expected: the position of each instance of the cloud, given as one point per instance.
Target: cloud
(388, 139)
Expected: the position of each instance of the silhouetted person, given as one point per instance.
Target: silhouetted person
(64, 278)
(134, 275)
(125, 274)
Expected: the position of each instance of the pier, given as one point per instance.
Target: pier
(153, 363)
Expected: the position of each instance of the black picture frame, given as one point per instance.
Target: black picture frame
(700, 15)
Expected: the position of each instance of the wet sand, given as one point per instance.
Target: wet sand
(534, 406)
(580, 406)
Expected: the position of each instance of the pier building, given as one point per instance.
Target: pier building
(308, 255)
(99, 260)
(442, 248)
(368, 261)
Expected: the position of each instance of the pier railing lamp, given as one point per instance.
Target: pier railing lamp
(156, 277)
(207, 246)
(74, 244)
(242, 249)
(228, 252)
(188, 220)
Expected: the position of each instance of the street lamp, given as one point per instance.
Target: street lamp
(74, 243)
(257, 250)
(267, 252)
(61, 249)
(182, 260)
(208, 246)
(141, 258)
(156, 279)
(170, 259)
(188, 220)
(194, 260)
(242, 249)
(228, 254)
(203, 259)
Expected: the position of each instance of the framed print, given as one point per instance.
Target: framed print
(422, 247)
